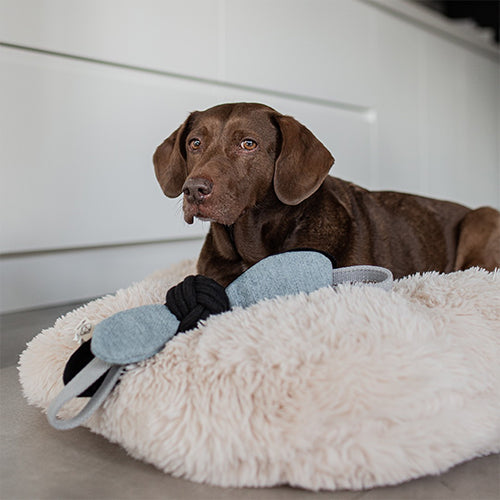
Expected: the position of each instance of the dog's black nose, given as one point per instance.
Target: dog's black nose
(197, 189)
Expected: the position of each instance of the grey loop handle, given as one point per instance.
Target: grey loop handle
(82, 380)
(363, 275)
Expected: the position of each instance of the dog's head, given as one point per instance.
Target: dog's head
(227, 158)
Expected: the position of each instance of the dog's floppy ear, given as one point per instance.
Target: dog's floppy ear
(302, 164)
(170, 161)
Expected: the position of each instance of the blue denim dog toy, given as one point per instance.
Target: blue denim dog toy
(137, 334)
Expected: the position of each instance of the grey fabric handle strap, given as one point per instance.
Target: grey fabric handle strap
(82, 380)
(363, 275)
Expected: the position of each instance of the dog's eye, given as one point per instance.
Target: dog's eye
(195, 144)
(248, 144)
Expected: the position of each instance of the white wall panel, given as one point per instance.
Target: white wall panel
(180, 37)
(437, 116)
(397, 106)
(77, 142)
(304, 47)
(59, 277)
(400, 106)
(463, 105)
(446, 131)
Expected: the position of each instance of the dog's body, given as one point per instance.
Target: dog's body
(261, 178)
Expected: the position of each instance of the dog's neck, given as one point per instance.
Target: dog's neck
(270, 228)
(230, 235)
(263, 230)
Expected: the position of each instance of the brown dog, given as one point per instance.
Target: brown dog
(261, 179)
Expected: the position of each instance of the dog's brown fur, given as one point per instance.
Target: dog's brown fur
(261, 178)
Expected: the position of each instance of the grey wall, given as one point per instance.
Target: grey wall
(403, 99)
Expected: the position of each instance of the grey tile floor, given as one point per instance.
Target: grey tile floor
(37, 462)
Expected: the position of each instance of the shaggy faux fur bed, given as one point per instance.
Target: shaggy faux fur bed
(346, 388)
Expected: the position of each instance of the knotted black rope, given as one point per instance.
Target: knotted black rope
(196, 298)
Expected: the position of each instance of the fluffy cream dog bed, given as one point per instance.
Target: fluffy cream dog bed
(346, 388)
